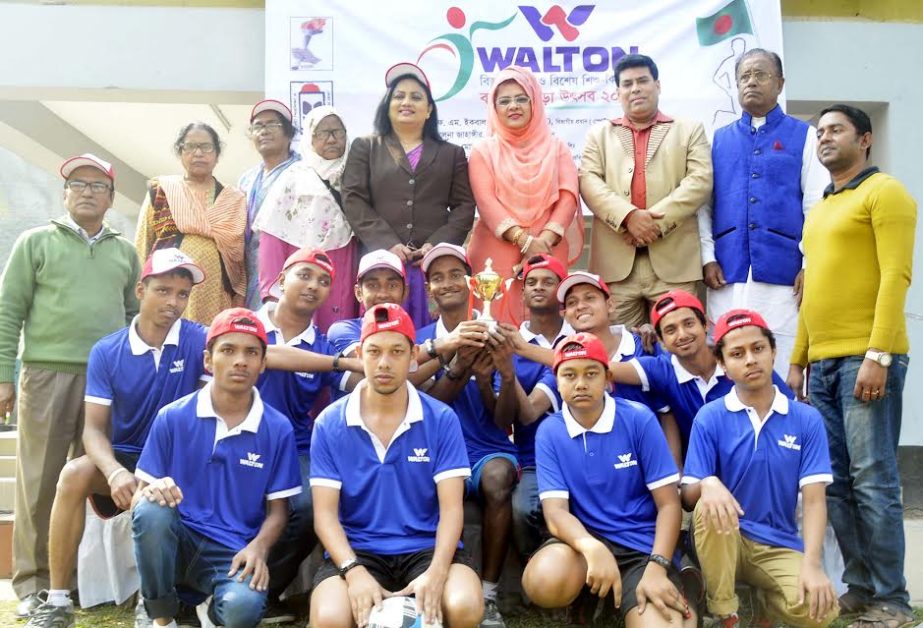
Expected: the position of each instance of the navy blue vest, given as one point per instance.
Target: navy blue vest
(757, 203)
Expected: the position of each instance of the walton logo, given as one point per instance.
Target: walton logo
(789, 442)
(555, 16)
(419, 455)
(177, 366)
(625, 461)
(252, 460)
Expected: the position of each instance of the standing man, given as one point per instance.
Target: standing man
(858, 241)
(65, 286)
(644, 176)
(767, 176)
(271, 130)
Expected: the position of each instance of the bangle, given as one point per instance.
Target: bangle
(115, 473)
(336, 361)
(525, 247)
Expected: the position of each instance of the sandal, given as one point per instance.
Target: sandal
(884, 616)
(852, 603)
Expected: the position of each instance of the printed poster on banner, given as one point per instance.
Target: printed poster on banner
(336, 53)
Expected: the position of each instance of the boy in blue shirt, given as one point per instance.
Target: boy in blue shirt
(388, 466)
(608, 486)
(750, 454)
(214, 477)
(131, 374)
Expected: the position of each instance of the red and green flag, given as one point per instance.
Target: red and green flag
(733, 19)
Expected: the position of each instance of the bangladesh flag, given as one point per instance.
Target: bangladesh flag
(733, 19)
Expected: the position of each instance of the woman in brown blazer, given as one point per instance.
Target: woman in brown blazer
(404, 187)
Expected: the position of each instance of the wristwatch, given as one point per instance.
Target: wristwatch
(881, 357)
(346, 565)
(336, 362)
(660, 560)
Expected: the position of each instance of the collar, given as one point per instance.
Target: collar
(204, 409)
(772, 118)
(139, 347)
(68, 221)
(626, 346)
(292, 158)
(733, 403)
(309, 335)
(354, 416)
(602, 426)
(660, 118)
(683, 376)
(540, 340)
(856, 181)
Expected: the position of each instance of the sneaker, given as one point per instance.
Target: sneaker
(277, 613)
(187, 617)
(202, 613)
(492, 617)
(141, 618)
(49, 616)
(28, 604)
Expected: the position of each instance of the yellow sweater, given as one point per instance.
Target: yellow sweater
(858, 247)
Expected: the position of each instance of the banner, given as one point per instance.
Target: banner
(336, 53)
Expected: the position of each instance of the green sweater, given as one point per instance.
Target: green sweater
(64, 294)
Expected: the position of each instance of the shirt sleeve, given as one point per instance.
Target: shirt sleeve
(17, 287)
(285, 480)
(451, 455)
(649, 369)
(342, 338)
(99, 382)
(324, 471)
(702, 455)
(549, 385)
(815, 454)
(154, 462)
(658, 466)
(706, 239)
(551, 484)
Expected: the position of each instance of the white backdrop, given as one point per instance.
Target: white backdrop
(334, 52)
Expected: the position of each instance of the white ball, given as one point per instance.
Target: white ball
(398, 612)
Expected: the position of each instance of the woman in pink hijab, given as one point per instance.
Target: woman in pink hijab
(525, 184)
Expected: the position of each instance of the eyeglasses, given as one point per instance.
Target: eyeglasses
(505, 101)
(96, 187)
(758, 75)
(191, 147)
(258, 127)
(336, 134)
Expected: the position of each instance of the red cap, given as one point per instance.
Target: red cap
(582, 346)
(403, 69)
(87, 159)
(673, 300)
(734, 319)
(387, 317)
(238, 320)
(578, 277)
(163, 261)
(271, 105)
(310, 255)
(543, 260)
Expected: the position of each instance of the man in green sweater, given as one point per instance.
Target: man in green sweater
(65, 286)
(858, 246)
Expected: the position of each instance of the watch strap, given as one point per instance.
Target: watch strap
(660, 560)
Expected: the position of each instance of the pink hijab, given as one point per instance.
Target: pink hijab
(532, 167)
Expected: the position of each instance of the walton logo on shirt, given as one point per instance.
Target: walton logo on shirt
(789, 442)
(177, 366)
(419, 455)
(252, 460)
(625, 461)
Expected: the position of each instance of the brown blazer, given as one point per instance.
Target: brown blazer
(679, 181)
(387, 202)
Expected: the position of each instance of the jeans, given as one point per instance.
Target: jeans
(864, 501)
(528, 522)
(298, 538)
(169, 553)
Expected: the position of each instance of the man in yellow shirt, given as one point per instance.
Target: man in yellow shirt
(858, 245)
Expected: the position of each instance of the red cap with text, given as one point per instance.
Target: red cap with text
(271, 105)
(87, 159)
(543, 260)
(673, 300)
(578, 277)
(734, 319)
(310, 255)
(236, 320)
(387, 317)
(582, 346)
(162, 261)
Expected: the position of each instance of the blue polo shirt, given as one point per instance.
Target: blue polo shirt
(686, 393)
(388, 497)
(764, 463)
(607, 473)
(345, 334)
(291, 393)
(226, 475)
(136, 380)
(631, 347)
(482, 436)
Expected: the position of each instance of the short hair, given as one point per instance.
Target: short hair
(287, 127)
(760, 52)
(192, 126)
(859, 119)
(635, 61)
(182, 273)
(383, 122)
(767, 333)
(699, 315)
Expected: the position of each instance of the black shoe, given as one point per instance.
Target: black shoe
(277, 612)
(186, 617)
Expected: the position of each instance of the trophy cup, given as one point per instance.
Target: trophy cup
(487, 285)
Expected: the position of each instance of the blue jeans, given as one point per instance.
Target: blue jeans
(297, 540)
(168, 553)
(864, 501)
(528, 522)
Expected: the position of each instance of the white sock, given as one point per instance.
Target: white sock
(59, 597)
(490, 590)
